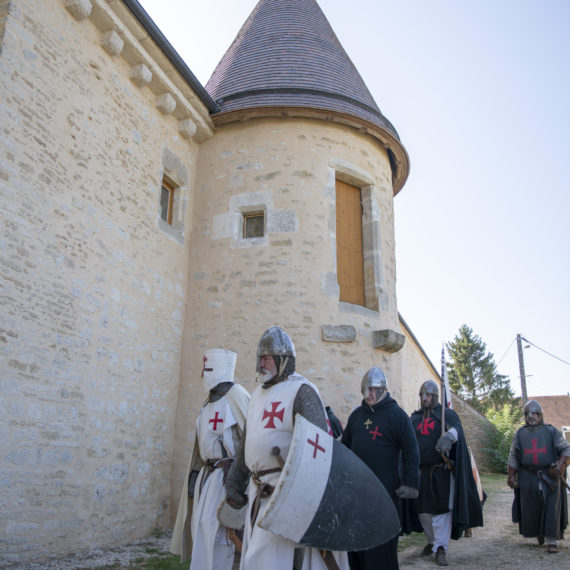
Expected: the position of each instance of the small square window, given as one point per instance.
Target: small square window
(167, 202)
(253, 224)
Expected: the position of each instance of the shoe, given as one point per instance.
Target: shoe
(428, 549)
(440, 559)
(540, 540)
(552, 548)
(468, 533)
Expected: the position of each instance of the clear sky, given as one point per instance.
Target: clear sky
(479, 91)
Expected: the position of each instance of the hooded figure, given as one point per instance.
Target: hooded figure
(538, 459)
(269, 425)
(448, 502)
(218, 429)
(381, 434)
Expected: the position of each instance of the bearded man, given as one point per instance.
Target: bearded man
(448, 502)
(538, 459)
(218, 430)
(380, 433)
(269, 425)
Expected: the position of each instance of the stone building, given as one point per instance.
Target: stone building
(146, 218)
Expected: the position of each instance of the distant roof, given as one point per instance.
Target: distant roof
(555, 409)
(286, 55)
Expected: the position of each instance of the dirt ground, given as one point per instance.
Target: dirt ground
(498, 544)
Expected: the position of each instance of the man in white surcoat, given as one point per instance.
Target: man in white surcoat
(254, 474)
(218, 430)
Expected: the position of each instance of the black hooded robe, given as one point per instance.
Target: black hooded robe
(467, 509)
(382, 436)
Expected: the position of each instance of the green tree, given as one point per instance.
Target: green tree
(473, 374)
(506, 421)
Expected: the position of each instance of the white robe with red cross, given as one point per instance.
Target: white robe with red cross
(208, 544)
(270, 423)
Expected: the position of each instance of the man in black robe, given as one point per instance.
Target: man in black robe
(448, 501)
(537, 462)
(381, 434)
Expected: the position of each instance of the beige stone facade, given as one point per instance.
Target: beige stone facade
(106, 310)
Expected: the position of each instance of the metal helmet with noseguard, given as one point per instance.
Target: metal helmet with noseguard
(430, 387)
(374, 378)
(275, 342)
(218, 366)
(533, 407)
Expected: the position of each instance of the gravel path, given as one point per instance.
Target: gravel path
(497, 545)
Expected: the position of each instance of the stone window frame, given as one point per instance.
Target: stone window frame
(246, 215)
(374, 291)
(174, 174)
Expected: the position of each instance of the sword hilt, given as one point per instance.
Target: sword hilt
(276, 452)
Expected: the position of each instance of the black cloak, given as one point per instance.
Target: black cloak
(467, 508)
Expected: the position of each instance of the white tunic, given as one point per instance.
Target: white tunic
(270, 423)
(209, 546)
(213, 429)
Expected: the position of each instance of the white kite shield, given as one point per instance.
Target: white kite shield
(327, 497)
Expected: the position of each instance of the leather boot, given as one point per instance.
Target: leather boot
(440, 559)
(428, 549)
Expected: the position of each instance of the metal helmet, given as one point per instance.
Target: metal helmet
(430, 387)
(218, 366)
(274, 342)
(374, 378)
(533, 407)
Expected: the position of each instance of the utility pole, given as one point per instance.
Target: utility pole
(521, 369)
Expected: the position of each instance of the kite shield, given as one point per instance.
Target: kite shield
(327, 497)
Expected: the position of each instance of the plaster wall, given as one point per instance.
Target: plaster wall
(239, 287)
(92, 290)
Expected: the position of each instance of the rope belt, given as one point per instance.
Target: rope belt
(210, 465)
(264, 490)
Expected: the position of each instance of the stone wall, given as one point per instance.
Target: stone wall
(93, 289)
(478, 430)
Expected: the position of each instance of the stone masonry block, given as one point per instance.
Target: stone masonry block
(338, 333)
(166, 103)
(112, 42)
(388, 340)
(187, 128)
(141, 75)
(79, 9)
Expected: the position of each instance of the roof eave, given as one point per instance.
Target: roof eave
(399, 159)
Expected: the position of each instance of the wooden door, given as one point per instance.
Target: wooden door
(349, 254)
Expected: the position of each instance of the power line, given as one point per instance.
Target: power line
(506, 352)
(545, 351)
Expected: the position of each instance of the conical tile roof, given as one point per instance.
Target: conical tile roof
(287, 59)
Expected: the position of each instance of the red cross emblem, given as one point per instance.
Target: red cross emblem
(426, 426)
(272, 415)
(215, 421)
(375, 432)
(316, 446)
(204, 369)
(534, 450)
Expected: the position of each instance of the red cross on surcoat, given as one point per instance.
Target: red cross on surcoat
(375, 432)
(534, 450)
(426, 426)
(272, 415)
(215, 421)
(316, 445)
(204, 369)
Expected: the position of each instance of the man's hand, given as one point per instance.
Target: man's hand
(405, 492)
(444, 443)
(558, 468)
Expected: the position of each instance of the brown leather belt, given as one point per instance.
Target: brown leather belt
(210, 465)
(264, 490)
